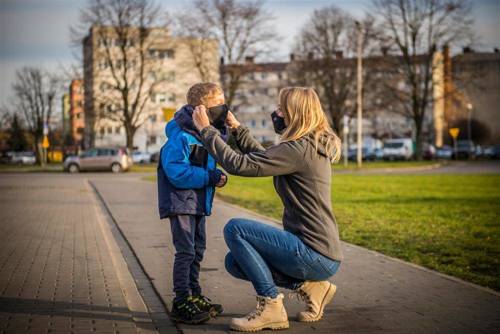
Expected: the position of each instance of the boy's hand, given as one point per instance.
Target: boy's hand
(231, 121)
(200, 117)
(222, 182)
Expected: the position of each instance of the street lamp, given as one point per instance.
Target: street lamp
(469, 120)
(359, 98)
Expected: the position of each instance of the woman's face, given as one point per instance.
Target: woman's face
(281, 114)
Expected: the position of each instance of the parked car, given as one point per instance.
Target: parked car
(429, 152)
(465, 149)
(379, 154)
(367, 154)
(398, 149)
(23, 158)
(492, 152)
(141, 157)
(103, 158)
(444, 152)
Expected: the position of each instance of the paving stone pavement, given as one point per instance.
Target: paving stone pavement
(376, 294)
(56, 271)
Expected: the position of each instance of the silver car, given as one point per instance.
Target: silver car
(100, 158)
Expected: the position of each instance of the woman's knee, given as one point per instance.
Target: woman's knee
(231, 228)
(232, 267)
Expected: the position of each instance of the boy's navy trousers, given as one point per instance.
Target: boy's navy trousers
(189, 237)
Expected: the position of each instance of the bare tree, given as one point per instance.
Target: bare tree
(123, 35)
(242, 29)
(324, 50)
(416, 29)
(198, 37)
(34, 96)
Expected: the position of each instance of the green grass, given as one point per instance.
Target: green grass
(384, 164)
(449, 223)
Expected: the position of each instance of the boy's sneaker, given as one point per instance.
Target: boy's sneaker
(187, 312)
(205, 304)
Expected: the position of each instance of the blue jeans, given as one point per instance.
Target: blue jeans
(269, 257)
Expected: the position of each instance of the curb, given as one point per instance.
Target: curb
(416, 266)
(140, 294)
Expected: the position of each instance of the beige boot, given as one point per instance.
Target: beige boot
(269, 314)
(316, 295)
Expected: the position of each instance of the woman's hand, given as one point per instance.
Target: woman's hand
(200, 117)
(231, 121)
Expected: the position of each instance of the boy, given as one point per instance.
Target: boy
(187, 175)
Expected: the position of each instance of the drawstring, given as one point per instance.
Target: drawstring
(301, 295)
(261, 303)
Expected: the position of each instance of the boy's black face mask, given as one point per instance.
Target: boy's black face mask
(278, 123)
(217, 115)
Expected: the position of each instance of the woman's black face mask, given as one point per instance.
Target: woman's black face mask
(217, 115)
(278, 123)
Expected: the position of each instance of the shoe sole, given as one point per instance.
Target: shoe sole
(326, 299)
(272, 326)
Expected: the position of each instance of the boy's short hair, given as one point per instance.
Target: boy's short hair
(202, 92)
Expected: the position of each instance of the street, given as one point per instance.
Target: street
(87, 252)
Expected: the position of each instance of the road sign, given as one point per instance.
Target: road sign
(454, 132)
(168, 113)
(45, 143)
(45, 129)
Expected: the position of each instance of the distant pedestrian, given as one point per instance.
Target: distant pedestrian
(187, 175)
(307, 252)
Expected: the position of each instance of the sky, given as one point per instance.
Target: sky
(36, 32)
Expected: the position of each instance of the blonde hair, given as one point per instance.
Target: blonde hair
(303, 114)
(202, 93)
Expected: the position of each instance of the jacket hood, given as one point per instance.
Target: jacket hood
(184, 119)
(321, 147)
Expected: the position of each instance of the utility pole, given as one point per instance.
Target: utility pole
(345, 130)
(359, 97)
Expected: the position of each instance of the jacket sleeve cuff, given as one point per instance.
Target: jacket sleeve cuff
(214, 177)
(207, 131)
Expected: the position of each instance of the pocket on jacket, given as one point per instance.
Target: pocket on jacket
(198, 155)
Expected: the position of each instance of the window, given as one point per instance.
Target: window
(102, 131)
(118, 130)
(263, 122)
(152, 140)
(253, 123)
(91, 153)
(110, 130)
(172, 98)
(161, 54)
(170, 76)
(160, 98)
(152, 118)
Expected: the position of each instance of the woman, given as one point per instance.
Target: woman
(307, 252)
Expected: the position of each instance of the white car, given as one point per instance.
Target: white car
(23, 158)
(141, 157)
(398, 149)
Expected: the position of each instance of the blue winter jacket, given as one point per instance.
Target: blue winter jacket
(186, 172)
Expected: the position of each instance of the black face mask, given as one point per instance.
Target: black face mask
(278, 123)
(217, 116)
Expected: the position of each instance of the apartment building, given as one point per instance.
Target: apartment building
(168, 70)
(76, 112)
(257, 96)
